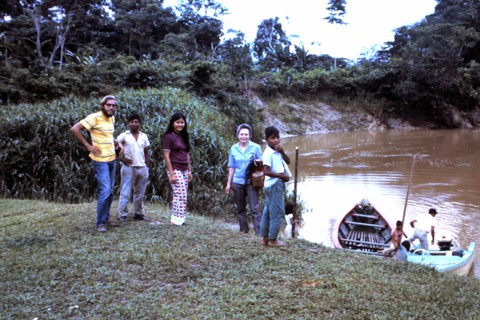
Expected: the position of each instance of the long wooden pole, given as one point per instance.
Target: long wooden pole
(408, 192)
(295, 193)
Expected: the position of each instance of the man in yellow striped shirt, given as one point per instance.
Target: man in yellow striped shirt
(102, 153)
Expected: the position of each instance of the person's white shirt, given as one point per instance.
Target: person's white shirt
(274, 160)
(425, 222)
(134, 148)
(287, 233)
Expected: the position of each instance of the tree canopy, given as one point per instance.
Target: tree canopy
(51, 49)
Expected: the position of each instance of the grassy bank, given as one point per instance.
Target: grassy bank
(54, 265)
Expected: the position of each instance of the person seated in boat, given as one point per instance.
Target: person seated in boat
(364, 207)
(290, 221)
(403, 250)
(395, 238)
(424, 225)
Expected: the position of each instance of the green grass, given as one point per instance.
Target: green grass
(54, 265)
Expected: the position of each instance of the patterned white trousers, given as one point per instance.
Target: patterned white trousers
(179, 201)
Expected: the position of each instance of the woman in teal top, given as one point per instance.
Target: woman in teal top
(238, 161)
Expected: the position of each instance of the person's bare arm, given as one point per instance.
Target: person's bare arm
(123, 159)
(231, 171)
(388, 240)
(190, 176)
(118, 145)
(270, 173)
(166, 155)
(412, 223)
(146, 151)
(77, 133)
(286, 158)
(433, 234)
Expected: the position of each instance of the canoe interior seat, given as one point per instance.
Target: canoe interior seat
(363, 224)
(364, 240)
(367, 216)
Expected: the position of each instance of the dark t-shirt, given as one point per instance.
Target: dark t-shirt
(178, 151)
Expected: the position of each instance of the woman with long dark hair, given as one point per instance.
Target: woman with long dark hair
(176, 148)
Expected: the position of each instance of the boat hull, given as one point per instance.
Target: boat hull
(362, 229)
(457, 262)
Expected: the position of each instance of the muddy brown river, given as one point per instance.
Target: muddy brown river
(337, 170)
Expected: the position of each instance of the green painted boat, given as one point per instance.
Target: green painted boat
(456, 261)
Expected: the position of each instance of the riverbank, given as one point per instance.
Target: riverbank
(54, 265)
(293, 117)
(310, 117)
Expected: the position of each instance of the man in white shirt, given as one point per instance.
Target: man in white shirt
(424, 225)
(134, 169)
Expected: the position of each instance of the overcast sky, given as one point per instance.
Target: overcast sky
(370, 22)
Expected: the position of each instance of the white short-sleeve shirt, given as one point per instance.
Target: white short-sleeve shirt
(425, 222)
(134, 148)
(274, 160)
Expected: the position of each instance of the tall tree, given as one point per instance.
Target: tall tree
(272, 45)
(235, 53)
(435, 63)
(44, 25)
(140, 26)
(200, 19)
(212, 8)
(336, 10)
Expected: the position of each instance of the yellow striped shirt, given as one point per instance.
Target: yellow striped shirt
(101, 131)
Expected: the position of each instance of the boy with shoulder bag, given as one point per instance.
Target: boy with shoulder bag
(275, 166)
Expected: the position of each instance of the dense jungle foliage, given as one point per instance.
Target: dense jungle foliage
(51, 48)
(58, 57)
(42, 160)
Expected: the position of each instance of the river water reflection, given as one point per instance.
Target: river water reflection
(337, 170)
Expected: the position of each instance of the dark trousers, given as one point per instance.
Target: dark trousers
(244, 193)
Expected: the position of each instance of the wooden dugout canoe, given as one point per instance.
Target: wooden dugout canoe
(362, 229)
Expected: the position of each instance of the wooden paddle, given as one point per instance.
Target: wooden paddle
(295, 193)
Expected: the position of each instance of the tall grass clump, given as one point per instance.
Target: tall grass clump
(42, 160)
